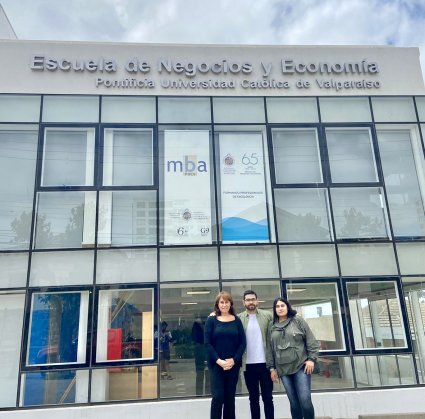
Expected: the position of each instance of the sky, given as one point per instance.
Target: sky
(271, 22)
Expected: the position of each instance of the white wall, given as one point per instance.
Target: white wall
(399, 68)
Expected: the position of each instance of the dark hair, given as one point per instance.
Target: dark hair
(249, 292)
(226, 297)
(291, 311)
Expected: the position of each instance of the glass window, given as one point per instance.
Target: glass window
(376, 318)
(345, 109)
(384, 370)
(359, 213)
(61, 268)
(186, 264)
(291, 110)
(302, 215)
(136, 383)
(244, 187)
(11, 315)
(118, 266)
(308, 261)
(18, 156)
(71, 109)
(186, 176)
(249, 262)
(367, 259)
(393, 109)
(65, 219)
(127, 157)
(411, 258)
(266, 291)
(125, 325)
(68, 157)
(177, 110)
(57, 333)
(318, 304)
(403, 167)
(239, 110)
(332, 372)
(414, 294)
(125, 109)
(182, 354)
(127, 218)
(420, 105)
(351, 155)
(13, 270)
(54, 387)
(296, 156)
(19, 108)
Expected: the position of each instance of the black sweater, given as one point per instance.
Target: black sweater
(224, 340)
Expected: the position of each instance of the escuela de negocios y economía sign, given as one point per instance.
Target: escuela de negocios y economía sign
(227, 74)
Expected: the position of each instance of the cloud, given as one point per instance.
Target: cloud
(287, 22)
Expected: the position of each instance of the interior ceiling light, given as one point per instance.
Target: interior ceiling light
(188, 304)
(297, 289)
(200, 292)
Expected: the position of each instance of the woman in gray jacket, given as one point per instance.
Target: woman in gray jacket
(292, 351)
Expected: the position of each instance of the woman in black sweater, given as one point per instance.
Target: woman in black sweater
(225, 342)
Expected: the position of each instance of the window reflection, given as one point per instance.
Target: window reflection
(65, 219)
(332, 372)
(127, 218)
(319, 305)
(351, 155)
(125, 325)
(184, 309)
(68, 158)
(128, 157)
(18, 154)
(403, 168)
(54, 387)
(58, 328)
(376, 315)
(302, 215)
(384, 370)
(359, 213)
(296, 156)
(124, 383)
(414, 291)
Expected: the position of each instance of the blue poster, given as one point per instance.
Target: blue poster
(243, 188)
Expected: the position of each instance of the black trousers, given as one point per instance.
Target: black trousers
(258, 376)
(223, 390)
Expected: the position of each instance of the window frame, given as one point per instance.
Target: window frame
(27, 323)
(155, 312)
(342, 311)
(403, 317)
(128, 127)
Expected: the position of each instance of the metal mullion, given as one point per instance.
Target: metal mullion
(23, 347)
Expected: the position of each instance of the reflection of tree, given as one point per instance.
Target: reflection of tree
(74, 228)
(304, 227)
(21, 227)
(359, 225)
(45, 237)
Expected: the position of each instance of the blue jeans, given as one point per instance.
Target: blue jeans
(298, 389)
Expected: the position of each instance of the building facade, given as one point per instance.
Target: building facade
(136, 181)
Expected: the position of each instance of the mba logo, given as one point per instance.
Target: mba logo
(190, 166)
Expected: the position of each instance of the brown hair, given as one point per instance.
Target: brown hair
(226, 297)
